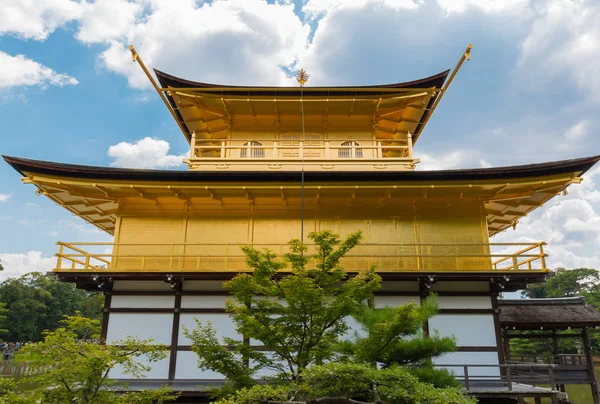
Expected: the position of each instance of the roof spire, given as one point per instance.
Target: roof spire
(302, 77)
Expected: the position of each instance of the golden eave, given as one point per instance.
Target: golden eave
(391, 114)
(97, 201)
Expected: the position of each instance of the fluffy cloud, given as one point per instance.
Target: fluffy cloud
(4, 197)
(246, 41)
(21, 71)
(145, 153)
(106, 20)
(37, 19)
(564, 39)
(451, 160)
(16, 265)
(495, 6)
(316, 8)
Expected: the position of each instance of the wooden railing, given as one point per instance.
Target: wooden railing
(274, 150)
(562, 359)
(229, 257)
(508, 377)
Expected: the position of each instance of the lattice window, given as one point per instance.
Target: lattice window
(255, 153)
(348, 151)
(293, 141)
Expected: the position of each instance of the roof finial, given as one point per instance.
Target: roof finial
(302, 77)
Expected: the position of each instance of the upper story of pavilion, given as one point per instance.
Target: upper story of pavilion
(365, 128)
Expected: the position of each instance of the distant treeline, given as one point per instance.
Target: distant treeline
(36, 302)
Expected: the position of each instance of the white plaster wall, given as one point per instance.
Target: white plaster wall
(395, 301)
(141, 325)
(159, 370)
(355, 329)
(465, 302)
(203, 302)
(138, 302)
(187, 368)
(470, 358)
(265, 371)
(469, 329)
(220, 322)
(141, 285)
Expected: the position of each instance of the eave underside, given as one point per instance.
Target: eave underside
(95, 281)
(212, 111)
(94, 193)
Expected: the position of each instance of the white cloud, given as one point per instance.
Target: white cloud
(37, 19)
(316, 8)
(20, 71)
(4, 197)
(16, 265)
(451, 160)
(483, 163)
(564, 40)
(237, 41)
(106, 20)
(144, 153)
(487, 6)
(577, 131)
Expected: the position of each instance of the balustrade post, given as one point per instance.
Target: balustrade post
(551, 374)
(193, 145)
(410, 144)
(61, 251)
(515, 262)
(379, 150)
(275, 153)
(248, 150)
(327, 149)
(353, 149)
(222, 149)
(466, 375)
(542, 257)
(87, 261)
(171, 259)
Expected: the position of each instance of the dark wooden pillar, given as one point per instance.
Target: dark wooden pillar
(555, 353)
(105, 315)
(175, 331)
(506, 344)
(497, 325)
(424, 290)
(590, 361)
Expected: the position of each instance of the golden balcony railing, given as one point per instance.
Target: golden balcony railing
(274, 150)
(190, 257)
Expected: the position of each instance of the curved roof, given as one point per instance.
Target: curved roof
(579, 165)
(509, 193)
(168, 80)
(556, 313)
(212, 110)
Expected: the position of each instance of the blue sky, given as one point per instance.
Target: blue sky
(69, 91)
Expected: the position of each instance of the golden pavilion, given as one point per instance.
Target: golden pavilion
(268, 164)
